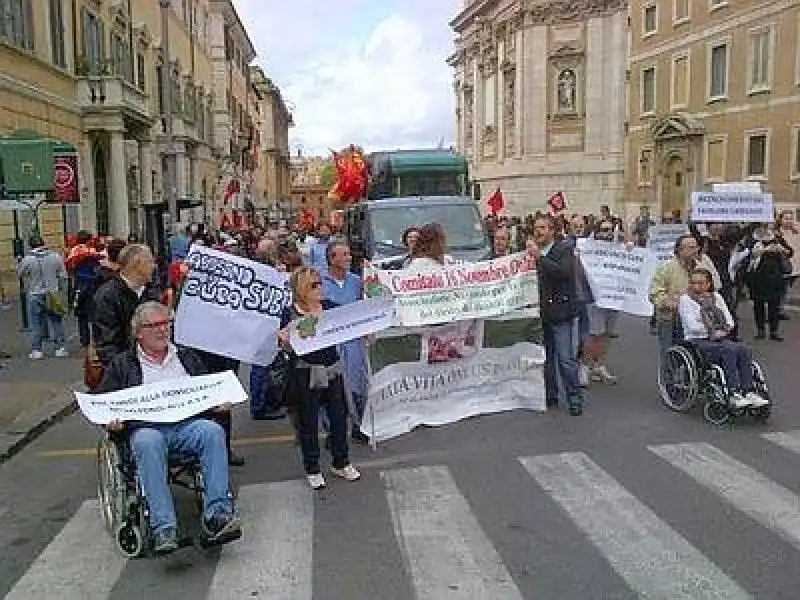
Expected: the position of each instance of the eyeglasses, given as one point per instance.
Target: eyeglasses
(316, 284)
(157, 324)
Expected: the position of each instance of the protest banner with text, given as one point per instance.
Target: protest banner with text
(231, 306)
(454, 292)
(732, 207)
(661, 239)
(163, 402)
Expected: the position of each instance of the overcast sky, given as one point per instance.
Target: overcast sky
(370, 72)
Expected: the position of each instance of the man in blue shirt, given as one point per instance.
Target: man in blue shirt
(318, 249)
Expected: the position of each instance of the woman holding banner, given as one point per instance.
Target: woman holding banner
(315, 379)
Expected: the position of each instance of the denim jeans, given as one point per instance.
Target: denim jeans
(735, 359)
(259, 388)
(670, 333)
(560, 347)
(195, 437)
(39, 319)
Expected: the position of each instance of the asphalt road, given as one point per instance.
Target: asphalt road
(628, 501)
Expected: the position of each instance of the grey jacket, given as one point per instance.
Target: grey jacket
(42, 270)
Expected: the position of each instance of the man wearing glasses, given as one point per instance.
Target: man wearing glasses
(153, 358)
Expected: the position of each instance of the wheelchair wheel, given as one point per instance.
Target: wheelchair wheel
(762, 413)
(111, 490)
(129, 540)
(678, 379)
(716, 412)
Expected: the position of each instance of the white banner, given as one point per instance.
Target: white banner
(661, 239)
(408, 394)
(619, 277)
(340, 324)
(231, 306)
(732, 207)
(164, 402)
(455, 292)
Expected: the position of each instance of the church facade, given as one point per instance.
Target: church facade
(540, 99)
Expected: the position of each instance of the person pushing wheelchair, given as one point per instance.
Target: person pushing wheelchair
(153, 358)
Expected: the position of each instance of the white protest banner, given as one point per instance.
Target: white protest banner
(453, 292)
(164, 402)
(661, 239)
(340, 324)
(231, 306)
(408, 394)
(619, 277)
(732, 207)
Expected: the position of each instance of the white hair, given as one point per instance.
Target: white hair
(145, 309)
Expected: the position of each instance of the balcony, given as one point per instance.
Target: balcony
(104, 94)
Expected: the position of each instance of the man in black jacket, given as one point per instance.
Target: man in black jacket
(558, 306)
(152, 359)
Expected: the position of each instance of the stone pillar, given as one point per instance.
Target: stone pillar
(536, 91)
(518, 93)
(146, 171)
(118, 218)
(86, 182)
(180, 172)
(597, 77)
(499, 104)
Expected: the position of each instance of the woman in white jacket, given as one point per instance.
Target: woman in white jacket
(707, 323)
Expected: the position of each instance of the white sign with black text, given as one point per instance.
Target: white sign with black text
(732, 207)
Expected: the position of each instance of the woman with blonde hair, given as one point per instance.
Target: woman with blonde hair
(315, 379)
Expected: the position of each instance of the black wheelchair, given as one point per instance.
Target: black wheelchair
(686, 378)
(123, 502)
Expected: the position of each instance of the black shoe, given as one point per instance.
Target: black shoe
(234, 460)
(269, 415)
(551, 403)
(220, 529)
(165, 542)
(359, 436)
(775, 337)
(761, 335)
(576, 410)
(784, 317)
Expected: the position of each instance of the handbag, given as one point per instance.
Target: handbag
(93, 370)
(280, 377)
(55, 304)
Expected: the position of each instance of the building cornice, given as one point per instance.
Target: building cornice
(34, 93)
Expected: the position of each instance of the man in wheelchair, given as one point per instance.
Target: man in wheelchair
(707, 323)
(154, 358)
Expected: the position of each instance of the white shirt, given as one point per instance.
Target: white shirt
(692, 320)
(153, 372)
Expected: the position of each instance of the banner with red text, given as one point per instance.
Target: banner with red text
(456, 292)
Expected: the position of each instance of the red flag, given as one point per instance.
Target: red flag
(496, 202)
(557, 202)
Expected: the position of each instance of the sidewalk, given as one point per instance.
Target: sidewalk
(33, 394)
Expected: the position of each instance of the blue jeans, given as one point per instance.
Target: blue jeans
(259, 379)
(560, 348)
(196, 437)
(39, 319)
(670, 333)
(736, 361)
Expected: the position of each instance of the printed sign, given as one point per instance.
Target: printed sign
(454, 341)
(456, 292)
(65, 174)
(619, 277)
(231, 306)
(732, 207)
(408, 394)
(340, 324)
(163, 402)
(661, 239)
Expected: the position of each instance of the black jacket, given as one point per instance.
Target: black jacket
(557, 284)
(114, 304)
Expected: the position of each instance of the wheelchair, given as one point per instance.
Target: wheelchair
(686, 377)
(123, 503)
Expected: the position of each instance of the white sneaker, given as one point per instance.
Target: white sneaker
(756, 400)
(61, 353)
(739, 401)
(316, 481)
(36, 355)
(348, 473)
(600, 374)
(583, 375)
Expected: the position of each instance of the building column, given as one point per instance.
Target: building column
(146, 171)
(118, 218)
(519, 97)
(536, 91)
(88, 199)
(181, 178)
(499, 104)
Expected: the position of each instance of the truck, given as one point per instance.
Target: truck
(413, 188)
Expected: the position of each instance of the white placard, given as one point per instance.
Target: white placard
(342, 324)
(405, 395)
(661, 239)
(164, 402)
(732, 207)
(231, 306)
(619, 277)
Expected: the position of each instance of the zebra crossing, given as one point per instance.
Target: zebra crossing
(445, 550)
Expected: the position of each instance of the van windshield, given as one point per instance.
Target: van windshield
(461, 223)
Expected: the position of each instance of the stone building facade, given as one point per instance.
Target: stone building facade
(540, 95)
(714, 97)
(89, 72)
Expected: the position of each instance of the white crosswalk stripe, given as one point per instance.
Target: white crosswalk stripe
(448, 554)
(652, 558)
(79, 564)
(767, 502)
(789, 439)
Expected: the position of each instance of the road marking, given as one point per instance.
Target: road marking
(80, 563)
(789, 440)
(648, 554)
(273, 559)
(746, 489)
(447, 553)
(92, 452)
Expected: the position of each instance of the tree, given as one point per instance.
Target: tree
(327, 174)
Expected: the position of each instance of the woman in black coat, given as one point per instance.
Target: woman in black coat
(766, 279)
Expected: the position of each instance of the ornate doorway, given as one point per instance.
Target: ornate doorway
(674, 193)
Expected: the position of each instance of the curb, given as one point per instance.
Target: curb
(30, 425)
